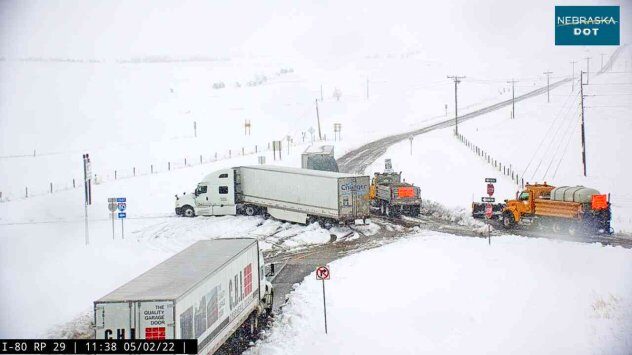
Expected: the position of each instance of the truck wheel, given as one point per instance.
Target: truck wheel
(188, 211)
(250, 210)
(573, 229)
(508, 220)
(557, 227)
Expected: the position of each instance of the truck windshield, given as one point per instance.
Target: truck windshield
(524, 196)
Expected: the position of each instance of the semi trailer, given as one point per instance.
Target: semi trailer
(207, 292)
(289, 194)
(570, 209)
(319, 157)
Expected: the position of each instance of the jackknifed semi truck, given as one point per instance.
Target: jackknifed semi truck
(207, 292)
(289, 194)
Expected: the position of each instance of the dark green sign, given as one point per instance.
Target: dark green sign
(587, 25)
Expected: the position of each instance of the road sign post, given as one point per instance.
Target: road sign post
(489, 209)
(112, 208)
(121, 206)
(322, 273)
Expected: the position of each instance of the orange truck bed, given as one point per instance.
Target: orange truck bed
(561, 209)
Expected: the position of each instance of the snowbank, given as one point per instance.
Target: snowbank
(438, 294)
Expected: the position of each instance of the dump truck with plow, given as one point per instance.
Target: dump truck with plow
(565, 209)
(392, 196)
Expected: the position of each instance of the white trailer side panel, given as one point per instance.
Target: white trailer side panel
(309, 191)
(216, 307)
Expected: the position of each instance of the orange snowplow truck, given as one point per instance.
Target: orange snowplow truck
(574, 209)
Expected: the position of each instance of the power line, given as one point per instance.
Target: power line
(587, 69)
(549, 130)
(573, 75)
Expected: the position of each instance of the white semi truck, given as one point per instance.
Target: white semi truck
(289, 194)
(206, 292)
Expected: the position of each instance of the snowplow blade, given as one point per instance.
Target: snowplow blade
(478, 210)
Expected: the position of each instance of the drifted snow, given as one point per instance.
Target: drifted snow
(436, 294)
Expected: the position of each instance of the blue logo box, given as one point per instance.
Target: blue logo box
(587, 26)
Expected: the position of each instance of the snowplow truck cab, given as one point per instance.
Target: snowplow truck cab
(573, 209)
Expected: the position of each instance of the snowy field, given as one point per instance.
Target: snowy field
(440, 294)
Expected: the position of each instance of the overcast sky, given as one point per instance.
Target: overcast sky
(122, 29)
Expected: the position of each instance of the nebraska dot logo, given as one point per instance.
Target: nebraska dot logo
(587, 25)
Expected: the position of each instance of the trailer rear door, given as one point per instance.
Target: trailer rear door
(353, 197)
(113, 320)
(155, 320)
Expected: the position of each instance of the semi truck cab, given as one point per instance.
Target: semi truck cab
(215, 195)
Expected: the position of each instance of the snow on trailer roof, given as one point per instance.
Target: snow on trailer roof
(320, 149)
(330, 174)
(177, 275)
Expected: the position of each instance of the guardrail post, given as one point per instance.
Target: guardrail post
(169, 166)
(51, 187)
(185, 162)
(200, 158)
(134, 171)
(73, 183)
(115, 174)
(229, 153)
(26, 192)
(242, 151)
(152, 168)
(255, 149)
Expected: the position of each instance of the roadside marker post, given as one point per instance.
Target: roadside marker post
(322, 273)
(87, 188)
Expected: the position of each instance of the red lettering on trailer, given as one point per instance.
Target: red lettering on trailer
(248, 279)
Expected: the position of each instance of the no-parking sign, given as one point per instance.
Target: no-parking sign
(322, 273)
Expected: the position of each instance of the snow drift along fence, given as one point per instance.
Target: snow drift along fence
(506, 170)
(144, 170)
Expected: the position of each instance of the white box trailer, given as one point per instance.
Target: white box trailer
(205, 292)
(290, 194)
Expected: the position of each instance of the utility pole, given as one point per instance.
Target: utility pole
(587, 70)
(581, 91)
(548, 76)
(513, 98)
(318, 120)
(573, 75)
(457, 80)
